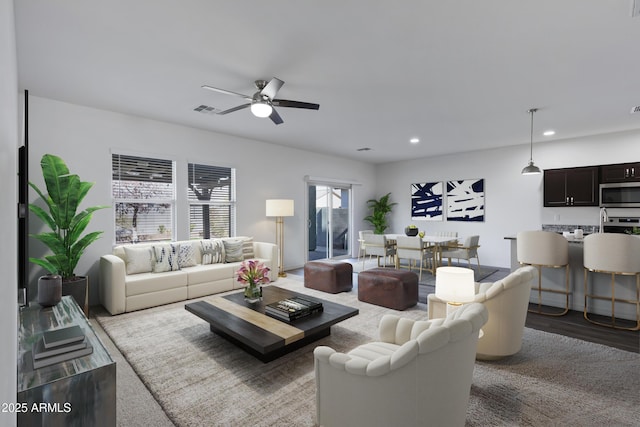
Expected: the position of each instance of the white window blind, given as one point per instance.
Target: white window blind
(212, 201)
(143, 191)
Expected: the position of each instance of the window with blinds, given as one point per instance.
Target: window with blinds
(143, 192)
(212, 201)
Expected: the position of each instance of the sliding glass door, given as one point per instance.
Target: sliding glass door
(329, 219)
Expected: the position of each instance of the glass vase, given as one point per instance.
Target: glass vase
(252, 293)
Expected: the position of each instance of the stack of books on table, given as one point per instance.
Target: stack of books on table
(293, 308)
(60, 345)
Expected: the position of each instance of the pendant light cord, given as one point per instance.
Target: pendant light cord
(533, 110)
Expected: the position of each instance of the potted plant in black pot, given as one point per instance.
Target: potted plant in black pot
(379, 210)
(65, 192)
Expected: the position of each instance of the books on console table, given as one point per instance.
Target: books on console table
(293, 308)
(62, 336)
(60, 345)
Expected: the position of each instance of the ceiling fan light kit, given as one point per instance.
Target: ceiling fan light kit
(262, 102)
(531, 169)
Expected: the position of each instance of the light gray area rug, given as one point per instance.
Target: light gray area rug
(200, 379)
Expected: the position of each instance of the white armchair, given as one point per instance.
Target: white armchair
(419, 373)
(507, 301)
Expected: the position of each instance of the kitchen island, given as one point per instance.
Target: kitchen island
(599, 283)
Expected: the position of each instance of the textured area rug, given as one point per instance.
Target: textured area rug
(200, 379)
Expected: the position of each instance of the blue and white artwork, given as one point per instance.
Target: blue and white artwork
(465, 200)
(426, 201)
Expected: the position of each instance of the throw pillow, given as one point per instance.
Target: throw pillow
(212, 251)
(233, 250)
(187, 256)
(247, 248)
(166, 257)
(139, 260)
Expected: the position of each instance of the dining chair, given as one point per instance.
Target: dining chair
(466, 251)
(361, 235)
(412, 249)
(378, 246)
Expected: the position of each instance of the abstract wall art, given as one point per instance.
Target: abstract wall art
(426, 201)
(465, 200)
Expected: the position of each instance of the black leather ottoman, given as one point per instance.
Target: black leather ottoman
(388, 287)
(328, 276)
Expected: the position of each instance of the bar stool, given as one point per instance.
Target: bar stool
(549, 250)
(615, 254)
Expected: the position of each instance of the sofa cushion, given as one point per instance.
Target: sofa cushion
(138, 259)
(209, 273)
(233, 250)
(166, 257)
(187, 256)
(139, 284)
(213, 251)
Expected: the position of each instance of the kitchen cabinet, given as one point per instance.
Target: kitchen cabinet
(624, 172)
(571, 187)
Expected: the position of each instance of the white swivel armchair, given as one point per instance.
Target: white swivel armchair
(507, 301)
(418, 374)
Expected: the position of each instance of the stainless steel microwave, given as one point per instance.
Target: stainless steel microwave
(620, 195)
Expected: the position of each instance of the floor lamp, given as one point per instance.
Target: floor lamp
(280, 208)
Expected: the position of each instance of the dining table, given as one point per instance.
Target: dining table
(438, 242)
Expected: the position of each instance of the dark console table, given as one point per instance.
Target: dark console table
(77, 392)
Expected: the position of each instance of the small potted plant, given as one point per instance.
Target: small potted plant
(411, 230)
(65, 192)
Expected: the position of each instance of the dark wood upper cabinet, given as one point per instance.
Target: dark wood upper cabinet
(624, 172)
(571, 187)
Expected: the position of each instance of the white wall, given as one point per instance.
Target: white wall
(512, 202)
(9, 139)
(84, 138)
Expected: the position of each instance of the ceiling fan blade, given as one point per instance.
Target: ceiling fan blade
(231, 110)
(295, 104)
(226, 92)
(275, 117)
(272, 88)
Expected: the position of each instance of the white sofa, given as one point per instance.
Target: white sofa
(129, 281)
(507, 301)
(418, 374)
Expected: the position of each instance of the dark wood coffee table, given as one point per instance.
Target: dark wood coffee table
(263, 336)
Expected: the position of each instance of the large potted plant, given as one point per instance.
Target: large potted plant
(379, 210)
(65, 192)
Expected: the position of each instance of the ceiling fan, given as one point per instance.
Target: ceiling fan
(263, 101)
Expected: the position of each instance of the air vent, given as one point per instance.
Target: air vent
(364, 149)
(205, 109)
(635, 109)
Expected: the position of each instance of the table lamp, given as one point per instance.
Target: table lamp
(280, 208)
(455, 285)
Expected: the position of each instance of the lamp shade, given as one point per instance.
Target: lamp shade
(279, 207)
(455, 284)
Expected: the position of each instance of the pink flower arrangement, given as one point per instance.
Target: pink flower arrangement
(253, 272)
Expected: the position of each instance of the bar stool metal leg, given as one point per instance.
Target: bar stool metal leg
(566, 291)
(614, 300)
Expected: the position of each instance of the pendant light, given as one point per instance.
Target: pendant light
(531, 169)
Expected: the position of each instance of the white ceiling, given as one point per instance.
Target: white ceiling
(460, 75)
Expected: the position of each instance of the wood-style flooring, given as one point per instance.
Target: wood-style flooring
(571, 324)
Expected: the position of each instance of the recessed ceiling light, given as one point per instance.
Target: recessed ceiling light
(414, 140)
(549, 132)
